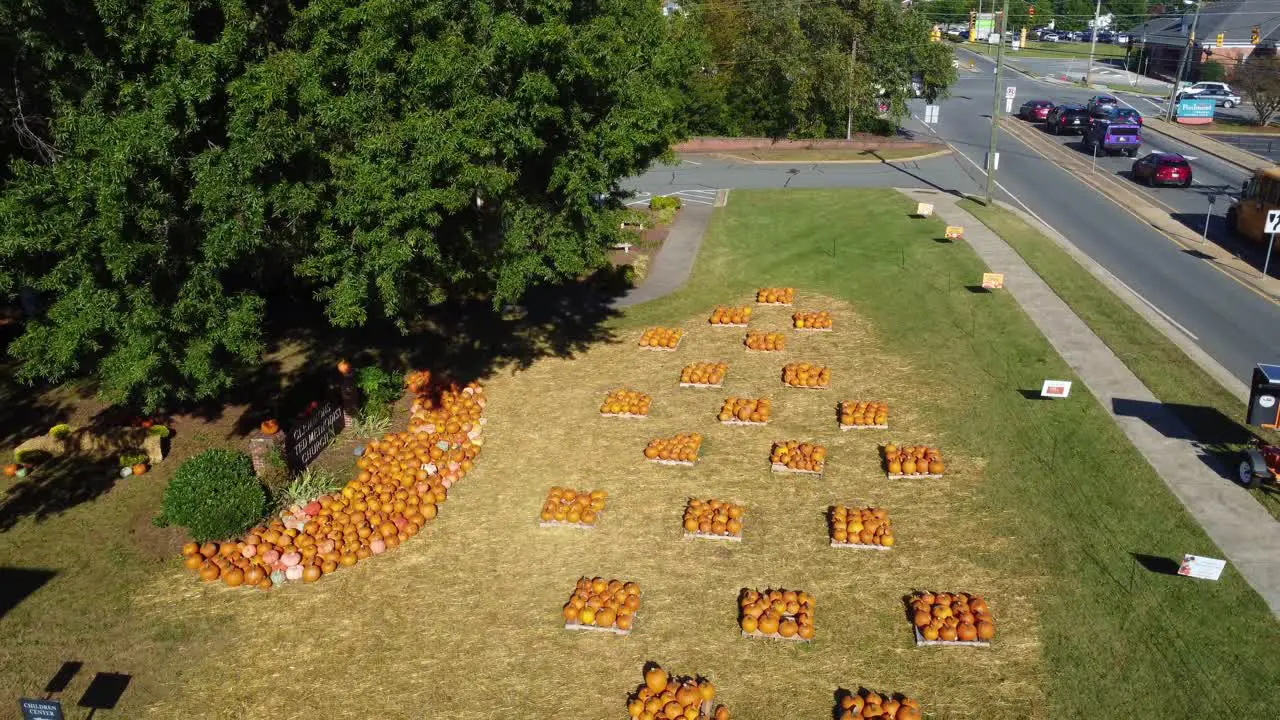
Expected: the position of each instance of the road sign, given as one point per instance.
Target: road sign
(930, 114)
(1205, 568)
(1273, 221)
(1010, 92)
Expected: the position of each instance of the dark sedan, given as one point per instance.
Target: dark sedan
(1034, 110)
(1127, 115)
(1067, 119)
(1162, 169)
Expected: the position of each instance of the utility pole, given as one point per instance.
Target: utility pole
(1093, 43)
(853, 52)
(1186, 51)
(998, 96)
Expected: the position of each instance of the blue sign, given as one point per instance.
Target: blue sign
(41, 709)
(1196, 108)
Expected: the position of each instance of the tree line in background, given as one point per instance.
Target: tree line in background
(176, 174)
(809, 69)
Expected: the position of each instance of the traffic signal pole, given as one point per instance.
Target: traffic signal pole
(995, 108)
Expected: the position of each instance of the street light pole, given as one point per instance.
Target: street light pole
(1093, 43)
(1186, 52)
(995, 107)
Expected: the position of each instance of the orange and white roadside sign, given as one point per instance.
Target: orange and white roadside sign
(993, 281)
(954, 232)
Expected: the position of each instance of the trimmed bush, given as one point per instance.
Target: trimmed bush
(660, 202)
(381, 390)
(214, 495)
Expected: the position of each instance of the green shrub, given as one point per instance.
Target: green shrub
(131, 459)
(60, 431)
(1212, 72)
(664, 202)
(214, 495)
(159, 431)
(381, 390)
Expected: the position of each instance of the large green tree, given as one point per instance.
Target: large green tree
(364, 155)
(802, 69)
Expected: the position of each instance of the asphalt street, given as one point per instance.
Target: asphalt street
(1231, 322)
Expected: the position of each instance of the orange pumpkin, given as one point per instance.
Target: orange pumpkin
(140, 469)
(269, 427)
(344, 367)
(10, 470)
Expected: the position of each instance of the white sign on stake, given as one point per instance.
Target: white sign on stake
(1205, 568)
(930, 114)
(1008, 105)
(924, 210)
(1273, 222)
(1010, 92)
(1056, 389)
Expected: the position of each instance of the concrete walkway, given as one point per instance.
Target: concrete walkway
(670, 270)
(1247, 534)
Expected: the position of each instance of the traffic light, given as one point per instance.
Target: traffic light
(1221, 38)
(1031, 12)
(1257, 35)
(935, 34)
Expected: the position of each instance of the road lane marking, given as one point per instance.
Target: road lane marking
(1213, 264)
(1158, 311)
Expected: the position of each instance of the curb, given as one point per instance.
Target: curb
(913, 158)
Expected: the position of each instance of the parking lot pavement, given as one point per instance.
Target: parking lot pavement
(1268, 146)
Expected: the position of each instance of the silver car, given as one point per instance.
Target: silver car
(1221, 96)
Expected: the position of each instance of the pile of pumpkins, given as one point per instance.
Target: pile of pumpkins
(870, 705)
(661, 697)
(402, 479)
(776, 296)
(797, 455)
(730, 315)
(766, 342)
(752, 410)
(660, 338)
(820, 320)
(626, 402)
(603, 603)
(861, 526)
(682, 447)
(573, 507)
(952, 617)
(703, 373)
(913, 460)
(777, 613)
(713, 517)
(805, 375)
(862, 413)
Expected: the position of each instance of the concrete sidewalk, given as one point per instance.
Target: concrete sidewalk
(671, 268)
(1246, 534)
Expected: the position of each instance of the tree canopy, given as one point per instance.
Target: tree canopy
(180, 164)
(785, 69)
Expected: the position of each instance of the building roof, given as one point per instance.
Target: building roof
(1235, 19)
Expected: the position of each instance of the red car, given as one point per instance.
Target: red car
(1034, 110)
(1162, 169)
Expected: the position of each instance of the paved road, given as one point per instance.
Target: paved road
(1232, 323)
(1237, 327)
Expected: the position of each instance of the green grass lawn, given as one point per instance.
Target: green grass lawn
(1211, 412)
(1237, 125)
(1077, 501)
(1044, 510)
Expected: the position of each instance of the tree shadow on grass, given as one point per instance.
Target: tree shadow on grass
(56, 485)
(460, 341)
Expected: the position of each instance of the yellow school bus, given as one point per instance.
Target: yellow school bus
(1261, 194)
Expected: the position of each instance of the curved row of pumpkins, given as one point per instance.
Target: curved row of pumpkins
(402, 479)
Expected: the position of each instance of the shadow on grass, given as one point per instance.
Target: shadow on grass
(56, 485)
(1157, 564)
(460, 341)
(104, 692)
(17, 584)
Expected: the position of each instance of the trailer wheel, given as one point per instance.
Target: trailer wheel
(1252, 474)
